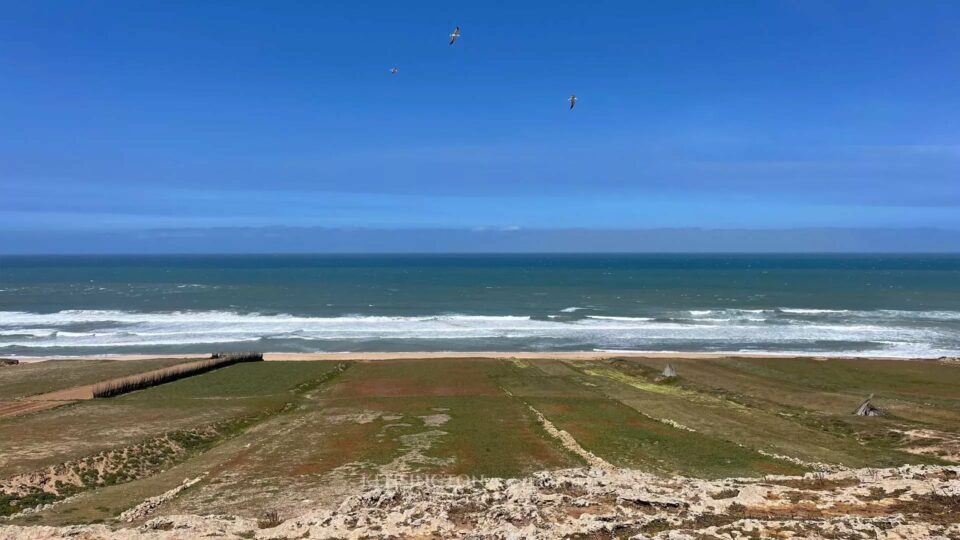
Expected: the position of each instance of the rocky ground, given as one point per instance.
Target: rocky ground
(599, 502)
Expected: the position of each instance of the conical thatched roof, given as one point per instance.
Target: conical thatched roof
(867, 409)
(669, 372)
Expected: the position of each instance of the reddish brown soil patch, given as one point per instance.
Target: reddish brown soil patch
(412, 378)
(235, 463)
(346, 443)
(808, 510)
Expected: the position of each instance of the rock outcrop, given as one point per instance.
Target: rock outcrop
(898, 503)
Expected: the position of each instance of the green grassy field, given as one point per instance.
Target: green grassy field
(85, 428)
(276, 434)
(776, 409)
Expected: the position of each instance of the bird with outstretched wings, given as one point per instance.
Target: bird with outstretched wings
(454, 35)
(573, 101)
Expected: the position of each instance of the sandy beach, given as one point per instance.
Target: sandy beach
(466, 355)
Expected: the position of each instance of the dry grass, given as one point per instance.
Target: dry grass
(117, 387)
(726, 494)
(269, 520)
(933, 507)
(817, 482)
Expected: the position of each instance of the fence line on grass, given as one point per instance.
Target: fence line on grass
(123, 385)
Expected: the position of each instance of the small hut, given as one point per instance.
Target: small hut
(668, 372)
(867, 409)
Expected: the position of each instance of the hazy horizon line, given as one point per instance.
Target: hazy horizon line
(465, 253)
(281, 240)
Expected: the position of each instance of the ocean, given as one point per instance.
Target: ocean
(876, 305)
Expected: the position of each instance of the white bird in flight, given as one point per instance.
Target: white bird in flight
(573, 100)
(394, 70)
(454, 35)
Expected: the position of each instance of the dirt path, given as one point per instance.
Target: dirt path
(57, 398)
(42, 402)
(19, 407)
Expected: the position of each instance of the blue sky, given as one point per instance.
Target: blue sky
(754, 115)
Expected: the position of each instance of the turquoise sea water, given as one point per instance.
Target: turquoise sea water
(825, 304)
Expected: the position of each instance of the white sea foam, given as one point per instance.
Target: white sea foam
(916, 351)
(786, 312)
(802, 311)
(614, 318)
(870, 332)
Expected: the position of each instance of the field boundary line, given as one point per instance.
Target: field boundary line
(569, 442)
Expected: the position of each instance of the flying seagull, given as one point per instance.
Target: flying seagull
(394, 70)
(573, 101)
(454, 35)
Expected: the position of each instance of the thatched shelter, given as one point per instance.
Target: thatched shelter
(867, 409)
(668, 372)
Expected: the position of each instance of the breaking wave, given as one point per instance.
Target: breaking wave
(876, 332)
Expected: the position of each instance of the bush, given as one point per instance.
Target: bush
(269, 520)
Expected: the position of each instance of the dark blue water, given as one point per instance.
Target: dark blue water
(826, 304)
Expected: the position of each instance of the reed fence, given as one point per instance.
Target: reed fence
(117, 387)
